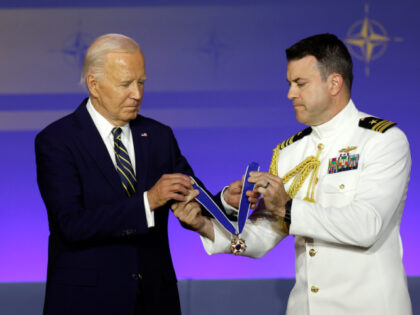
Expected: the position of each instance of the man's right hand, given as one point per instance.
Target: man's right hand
(232, 195)
(169, 187)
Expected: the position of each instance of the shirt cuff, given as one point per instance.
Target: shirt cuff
(228, 208)
(150, 216)
(221, 243)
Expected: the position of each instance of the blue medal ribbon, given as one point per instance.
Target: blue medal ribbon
(244, 205)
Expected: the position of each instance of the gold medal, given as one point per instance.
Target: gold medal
(237, 245)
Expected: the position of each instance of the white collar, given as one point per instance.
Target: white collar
(339, 122)
(102, 124)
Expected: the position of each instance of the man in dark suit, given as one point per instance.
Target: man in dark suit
(108, 176)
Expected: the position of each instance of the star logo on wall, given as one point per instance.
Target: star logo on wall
(213, 47)
(75, 46)
(367, 40)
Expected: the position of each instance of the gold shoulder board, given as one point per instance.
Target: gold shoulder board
(376, 124)
(295, 138)
(285, 143)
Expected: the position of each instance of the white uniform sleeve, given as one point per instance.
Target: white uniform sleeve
(261, 234)
(378, 199)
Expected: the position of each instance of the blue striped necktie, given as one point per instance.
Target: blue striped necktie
(124, 167)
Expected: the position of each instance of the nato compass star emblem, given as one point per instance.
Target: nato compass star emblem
(74, 48)
(367, 40)
(213, 47)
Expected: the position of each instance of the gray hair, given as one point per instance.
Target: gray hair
(95, 57)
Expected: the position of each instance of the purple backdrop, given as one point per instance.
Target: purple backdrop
(216, 74)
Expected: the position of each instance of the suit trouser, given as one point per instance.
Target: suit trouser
(140, 307)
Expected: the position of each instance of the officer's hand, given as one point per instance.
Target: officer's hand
(169, 187)
(272, 188)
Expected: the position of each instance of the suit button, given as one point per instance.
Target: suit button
(312, 252)
(342, 186)
(136, 276)
(314, 289)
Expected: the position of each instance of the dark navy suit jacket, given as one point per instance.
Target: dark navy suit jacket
(100, 248)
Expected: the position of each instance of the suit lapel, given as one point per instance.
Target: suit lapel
(141, 145)
(92, 143)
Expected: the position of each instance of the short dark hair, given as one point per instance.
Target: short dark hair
(330, 52)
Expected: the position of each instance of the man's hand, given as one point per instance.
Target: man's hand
(169, 187)
(272, 188)
(189, 213)
(232, 195)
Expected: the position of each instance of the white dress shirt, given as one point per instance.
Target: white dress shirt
(105, 130)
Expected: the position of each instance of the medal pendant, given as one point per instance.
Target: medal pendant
(237, 245)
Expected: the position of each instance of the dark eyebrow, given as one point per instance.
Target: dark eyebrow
(298, 79)
(295, 80)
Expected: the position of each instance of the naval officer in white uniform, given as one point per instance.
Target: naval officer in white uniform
(339, 187)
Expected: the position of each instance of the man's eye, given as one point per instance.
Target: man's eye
(140, 83)
(301, 84)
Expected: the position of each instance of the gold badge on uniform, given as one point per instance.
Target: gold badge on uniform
(348, 149)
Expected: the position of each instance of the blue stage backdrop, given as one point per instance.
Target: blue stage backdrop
(217, 74)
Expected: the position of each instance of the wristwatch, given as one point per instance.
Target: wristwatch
(288, 215)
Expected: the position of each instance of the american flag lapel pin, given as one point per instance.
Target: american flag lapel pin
(143, 134)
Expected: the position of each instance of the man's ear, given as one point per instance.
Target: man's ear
(92, 84)
(336, 82)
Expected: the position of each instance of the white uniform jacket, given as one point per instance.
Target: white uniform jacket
(348, 246)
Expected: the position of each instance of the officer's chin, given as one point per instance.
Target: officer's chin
(300, 118)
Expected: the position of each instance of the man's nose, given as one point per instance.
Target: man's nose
(292, 93)
(137, 91)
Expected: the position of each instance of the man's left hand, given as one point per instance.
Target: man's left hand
(272, 188)
(189, 213)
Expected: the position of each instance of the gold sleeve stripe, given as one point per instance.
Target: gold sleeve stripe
(282, 145)
(379, 125)
(286, 142)
(295, 138)
(389, 124)
(376, 124)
